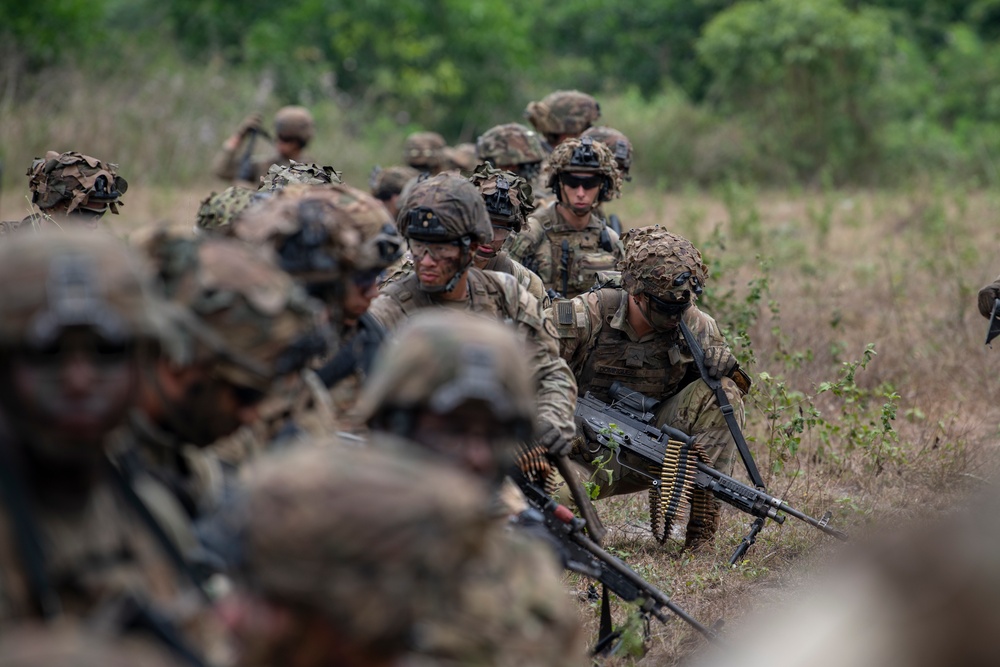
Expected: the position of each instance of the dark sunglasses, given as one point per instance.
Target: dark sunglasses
(668, 308)
(586, 182)
(97, 349)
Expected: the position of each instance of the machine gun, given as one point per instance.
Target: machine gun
(676, 465)
(582, 555)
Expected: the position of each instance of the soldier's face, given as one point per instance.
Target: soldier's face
(470, 438)
(74, 391)
(501, 232)
(435, 263)
(579, 191)
(359, 296)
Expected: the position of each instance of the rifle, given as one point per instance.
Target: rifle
(669, 458)
(580, 554)
(565, 267)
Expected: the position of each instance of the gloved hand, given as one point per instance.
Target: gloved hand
(553, 440)
(254, 121)
(987, 297)
(719, 361)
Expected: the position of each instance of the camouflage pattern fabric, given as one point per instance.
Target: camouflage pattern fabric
(619, 144)
(81, 180)
(294, 123)
(461, 157)
(381, 243)
(526, 278)
(279, 176)
(563, 112)
(663, 264)
(456, 204)
(237, 309)
(72, 646)
(392, 553)
(508, 197)
(228, 165)
(539, 248)
(388, 182)
(424, 151)
(220, 209)
(586, 157)
(499, 296)
(74, 278)
(510, 144)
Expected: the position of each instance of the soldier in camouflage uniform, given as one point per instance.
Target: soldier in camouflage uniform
(622, 149)
(293, 130)
(70, 646)
(77, 323)
(425, 152)
(387, 184)
(71, 188)
(444, 220)
(218, 210)
(628, 331)
(459, 388)
(565, 243)
(563, 115)
(508, 201)
(242, 324)
(513, 147)
(461, 158)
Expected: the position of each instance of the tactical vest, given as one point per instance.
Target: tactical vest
(500, 262)
(582, 256)
(485, 295)
(658, 368)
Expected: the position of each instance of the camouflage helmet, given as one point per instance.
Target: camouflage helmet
(381, 243)
(510, 144)
(281, 175)
(507, 196)
(389, 182)
(220, 209)
(663, 264)
(461, 157)
(305, 227)
(617, 142)
(563, 112)
(444, 208)
(56, 279)
(374, 540)
(294, 123)
(235, 308)
(424, 150)
(83, 181)
(442, 359)
(584, 155)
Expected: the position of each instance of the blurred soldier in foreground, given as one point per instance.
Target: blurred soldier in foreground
(242, 325)
(218, 210)
(563, 115)
(920, 596)
(71, 189)
(513, 147)
(293, 130)
(387, 184)
(508, 201)
(69, 646)
(628, 331)
(425, 152)
(445, 221)
(348, 554)
(565, 243)
(77, 324)
(458, 387)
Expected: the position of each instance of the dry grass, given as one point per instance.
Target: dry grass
(899, 270)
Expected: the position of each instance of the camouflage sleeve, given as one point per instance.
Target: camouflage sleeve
(530, 248)
(704, 328)
(530, 281)
(574, 322)
(555, 382)
(387, 312)
(226, 164)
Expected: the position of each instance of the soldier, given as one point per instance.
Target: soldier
(508, 201)
(459, 388)
(425, 152)
(69, 646)
(628, 331)
(565, 243)
(461, 158)
(242, 324)
(77, 322)
(387, 184)
(513, 147)
(622, 149)
(293, 130)
(218, 210)
(563, 115)
(347, 553)
(74, 188)
(445, 221)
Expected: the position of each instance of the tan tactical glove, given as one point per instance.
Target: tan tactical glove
(987, 297)
(552, 439)
(719, 361)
